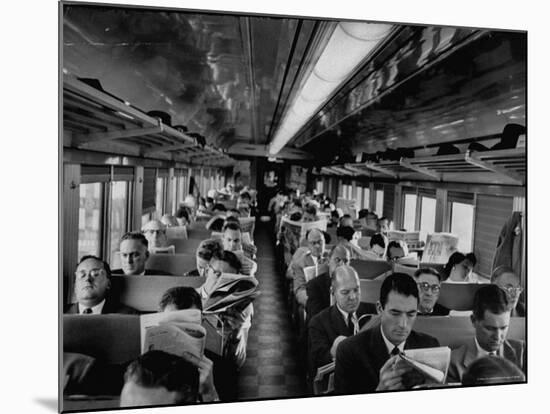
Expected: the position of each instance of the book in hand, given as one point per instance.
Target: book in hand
(323, 383)
(311, 272)
(179, 332)
(429, 365)
(231, 291)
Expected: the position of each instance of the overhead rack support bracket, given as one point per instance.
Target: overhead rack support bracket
(405, 163)
(379, 169)
(475, 160)
(84, 139)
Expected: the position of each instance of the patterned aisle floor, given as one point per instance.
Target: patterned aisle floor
(271, 369)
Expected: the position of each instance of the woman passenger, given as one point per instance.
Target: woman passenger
(457, 269)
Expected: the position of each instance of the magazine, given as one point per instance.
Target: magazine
(430, 365)
(179, 332)
(231, 291)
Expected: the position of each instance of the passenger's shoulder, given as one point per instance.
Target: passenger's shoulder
(423, 339)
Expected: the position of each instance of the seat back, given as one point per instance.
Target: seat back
(178, 232)
(370, 269)
(112, 338)
(144, 292)
(458, 296)
(453, 331)
(175, 264)
(188, 246)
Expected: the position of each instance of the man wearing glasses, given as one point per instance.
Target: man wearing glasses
(92, 283)
(505, 278)
(429, 285)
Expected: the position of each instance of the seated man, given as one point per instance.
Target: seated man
(91, 287)
(236, 323)
(318, 289)
(314, 257)
(224, 371)
(383, 226)
(364, 362)
(155, 233)
(309, 213)
(429, 285)
(332, 325)
(345, 236)
(206, 250)
(491, 318)
(133, 256)
(183, 215)
(169, 220)
(491, 369)
(396, 250)
(505, 278)
(377, 246)
(231, 240)
(160, 378)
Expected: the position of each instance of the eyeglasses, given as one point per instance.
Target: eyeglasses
(512, 291)
(425, 286)
(341, 260)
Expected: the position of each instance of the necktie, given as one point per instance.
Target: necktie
(395, 351)
(87, 311)
(351, 325)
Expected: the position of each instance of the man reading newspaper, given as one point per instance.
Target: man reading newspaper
(370, 360)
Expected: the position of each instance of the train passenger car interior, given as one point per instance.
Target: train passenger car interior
(259, 206)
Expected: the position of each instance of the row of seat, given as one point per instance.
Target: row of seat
(116, 338)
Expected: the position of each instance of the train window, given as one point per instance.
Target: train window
(319, 186)
(462, 225)
(174, 184)
(119, 212)
(409, 212)
(379, 206)
(427, 216)
(89, 220)
(358, 197)
(366, 197)
(160, 196)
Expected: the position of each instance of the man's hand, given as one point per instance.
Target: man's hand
(335, 345)
(390, 375)
(206, 376)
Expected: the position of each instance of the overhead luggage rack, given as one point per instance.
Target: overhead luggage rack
(95, 118)
(504, 166)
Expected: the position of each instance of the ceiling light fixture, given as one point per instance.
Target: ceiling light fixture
(349, 46)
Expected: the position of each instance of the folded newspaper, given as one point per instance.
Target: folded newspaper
(439, 247)
(430, 365)
(231, 291)
(179, 332)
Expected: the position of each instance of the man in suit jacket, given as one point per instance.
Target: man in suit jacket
(365, 362)
(318, 288)
(315, 256)
(92, 283)
(491, 318)
(134, 252)
(332, 325)
(429, 286)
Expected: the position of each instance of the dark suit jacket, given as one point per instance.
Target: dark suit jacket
(439, 310)
(462, 357)
(318, 295)
(110, 306)
(148, 272)
(324, 328)
(360, 357)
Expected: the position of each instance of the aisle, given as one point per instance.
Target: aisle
(271, 369)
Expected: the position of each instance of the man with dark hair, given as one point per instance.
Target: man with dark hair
(395, 250)
(206, 250)
(365, 362)
(160, 378)
(491, 319)
(429, 286)
(134, 254)
(378, 245)
(218, 208)
(180, 297)
(232, 241)
(383, 225)
(310, 213)
(92, 283)
(332, 325)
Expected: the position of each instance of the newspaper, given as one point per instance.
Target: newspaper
(347, 206)
(231, 291)
(439, 247)
(293, 232)
(430, 365)
(179, 332)
(311, 272)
